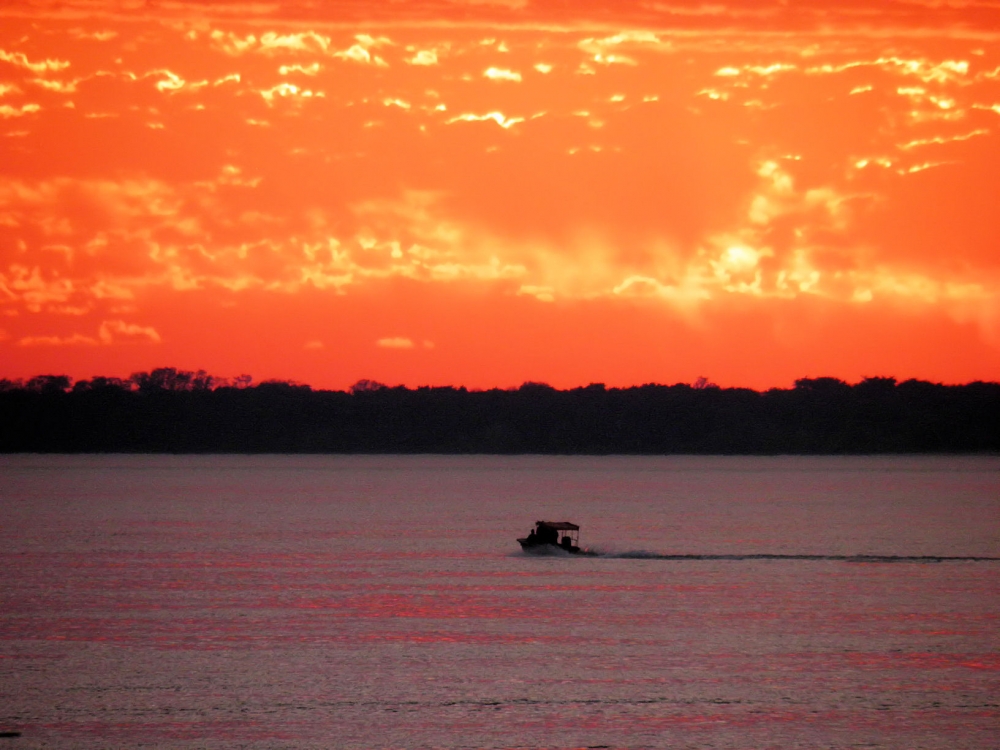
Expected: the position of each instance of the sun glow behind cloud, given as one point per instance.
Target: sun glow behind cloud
(746, 191)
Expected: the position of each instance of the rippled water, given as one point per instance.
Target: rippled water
(382, 602)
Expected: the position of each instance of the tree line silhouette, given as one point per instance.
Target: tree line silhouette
(175, 411)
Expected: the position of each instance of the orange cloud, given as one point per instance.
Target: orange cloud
(502, 74)
(117, 331)
(395, 342)
(19, 59)
(74, 340)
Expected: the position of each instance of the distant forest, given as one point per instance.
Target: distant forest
(173, 411)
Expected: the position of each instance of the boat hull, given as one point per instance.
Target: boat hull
(546, 548)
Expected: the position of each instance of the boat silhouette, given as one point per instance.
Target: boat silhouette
(549, 536)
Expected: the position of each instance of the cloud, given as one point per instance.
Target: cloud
(309, 70)
(688, 291)
(171, 82)
(501, 74)
(7, 111)
(288, 91)
(604, 50)
(713, 94)
(274, 43)
(414, 237)
(230, 174)
(396, 342)
(498, 117)
(118, 331)
(356, 53)
(730, 71)
(232, 44)
(423, 57)
(373, 41)
(20, 60)
(940, 140)
(110, 332)
(32, 288)
(108, 289)
(59, 87)
(118, 200)
(302, 41)
(361, 53)
(541, 293)
(141, 234)
(75, 340)
(946, 71)
(313, 345)
(96, 36)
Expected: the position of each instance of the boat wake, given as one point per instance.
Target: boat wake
(646, 555)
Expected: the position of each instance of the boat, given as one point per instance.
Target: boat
(550, 536)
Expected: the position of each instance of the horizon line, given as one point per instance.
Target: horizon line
(175, 379)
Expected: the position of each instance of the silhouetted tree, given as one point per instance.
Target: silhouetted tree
(367, 386)
(49, 384)
(180, 411)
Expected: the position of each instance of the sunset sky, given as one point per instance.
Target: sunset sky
(484, 192)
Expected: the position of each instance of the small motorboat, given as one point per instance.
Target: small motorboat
(549, 536)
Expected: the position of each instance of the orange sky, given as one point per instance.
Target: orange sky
(485, 192)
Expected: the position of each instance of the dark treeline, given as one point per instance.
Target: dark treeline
(183, 412)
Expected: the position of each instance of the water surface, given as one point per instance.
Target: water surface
(382, 602)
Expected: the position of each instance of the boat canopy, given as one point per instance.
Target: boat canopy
(558, 525)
